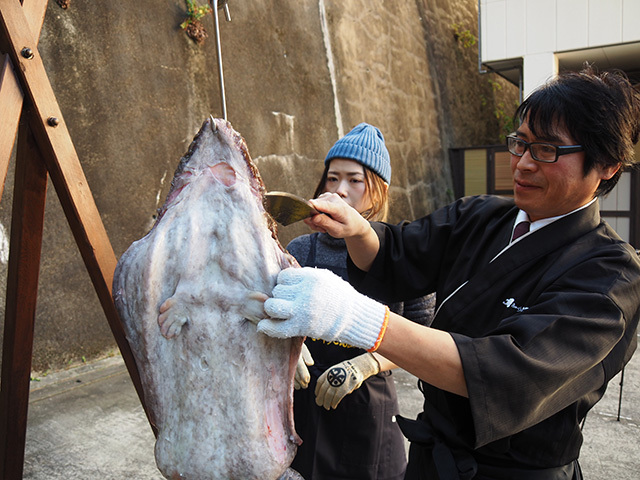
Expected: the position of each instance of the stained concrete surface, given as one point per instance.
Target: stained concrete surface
(133, 90)
(86, 423)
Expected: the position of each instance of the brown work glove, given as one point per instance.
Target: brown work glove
(342, 379)
(302, 377)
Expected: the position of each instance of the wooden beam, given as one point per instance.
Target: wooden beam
(63, 165)
(10, 107)
(34, 11)
(11, 95)
(58, 150)
(22, 289)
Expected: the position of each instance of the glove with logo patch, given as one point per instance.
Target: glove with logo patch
(316, 303)
(342, 379)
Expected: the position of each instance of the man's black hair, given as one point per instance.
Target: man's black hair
(601, 112)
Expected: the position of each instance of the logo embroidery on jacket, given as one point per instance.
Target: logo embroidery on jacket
(511, 303)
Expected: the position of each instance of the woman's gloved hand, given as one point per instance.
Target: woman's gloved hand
(302, 376)
(317, 303)
(340, 380)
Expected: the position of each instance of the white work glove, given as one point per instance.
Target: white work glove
(302, 377)
(317, 303)
(340, 380)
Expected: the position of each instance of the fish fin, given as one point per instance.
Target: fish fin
(172, 317)
(253, 308)
(291, 474)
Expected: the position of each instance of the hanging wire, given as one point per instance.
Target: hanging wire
(215, 5)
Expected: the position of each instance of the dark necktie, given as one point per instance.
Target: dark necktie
(521, 229)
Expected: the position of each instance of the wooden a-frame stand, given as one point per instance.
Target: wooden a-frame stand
(29, 109)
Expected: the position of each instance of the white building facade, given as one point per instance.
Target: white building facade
(529, 41)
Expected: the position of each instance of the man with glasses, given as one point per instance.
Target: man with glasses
(528, 331)
(540, 151)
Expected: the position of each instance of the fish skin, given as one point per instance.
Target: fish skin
(291, 474)
(188, 292)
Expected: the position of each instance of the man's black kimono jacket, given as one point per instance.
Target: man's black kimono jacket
(540, 329)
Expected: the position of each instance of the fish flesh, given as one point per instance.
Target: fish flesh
(188, 293)
(218, 392)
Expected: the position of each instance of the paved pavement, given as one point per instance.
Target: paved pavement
(86, 423)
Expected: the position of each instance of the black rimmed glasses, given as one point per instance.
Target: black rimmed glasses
(541, 152)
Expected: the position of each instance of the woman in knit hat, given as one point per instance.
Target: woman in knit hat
(345, 399)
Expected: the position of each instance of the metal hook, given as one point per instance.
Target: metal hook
(215, 5)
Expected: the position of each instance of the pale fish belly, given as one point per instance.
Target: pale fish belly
(219, 393)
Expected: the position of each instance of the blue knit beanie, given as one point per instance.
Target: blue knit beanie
(365, 145)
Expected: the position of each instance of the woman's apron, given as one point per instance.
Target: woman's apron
(360, 438)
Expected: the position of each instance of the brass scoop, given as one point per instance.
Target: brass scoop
(287, 208)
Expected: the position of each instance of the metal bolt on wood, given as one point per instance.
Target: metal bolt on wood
(27, 53)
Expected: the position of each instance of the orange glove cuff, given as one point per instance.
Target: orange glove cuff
(385, 322)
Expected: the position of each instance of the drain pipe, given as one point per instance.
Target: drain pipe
(326, 38)
(480, 70)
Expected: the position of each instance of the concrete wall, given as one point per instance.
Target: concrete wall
(134, 90)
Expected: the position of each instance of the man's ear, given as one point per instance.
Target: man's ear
(609, 171)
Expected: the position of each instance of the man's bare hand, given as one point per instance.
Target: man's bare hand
(337, 217)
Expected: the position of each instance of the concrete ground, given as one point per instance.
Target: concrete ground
(86, 423)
